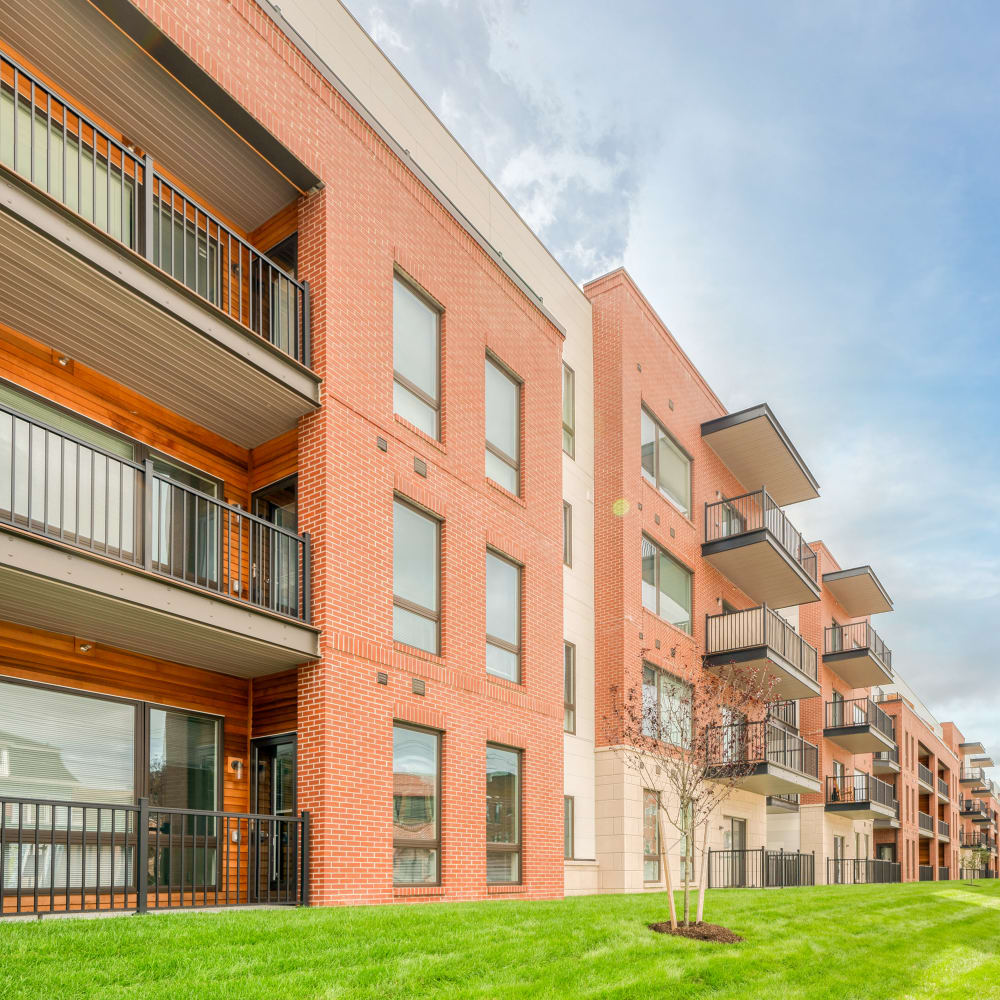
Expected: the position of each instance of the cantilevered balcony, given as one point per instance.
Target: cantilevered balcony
(975, 810)
(860, 796)
(761, 639)
(891, 823)
(762, 757)
(886, 762)
(105, 549)
(858, 725)
(858, 591)
(942, 789)
(943, 830)
(974, 780)
(974, 838)
(925, 824)
(750, 540)
(925, 777)
(857, 655)
(779, 804)
(112, 265)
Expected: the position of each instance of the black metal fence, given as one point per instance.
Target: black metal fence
(974, 808)
(59, 486)
(862, 871)
(859, 787)
(760, 869)
(858, 712)
(59, 149)
(755, 512)
(733, 631)
(944, 874)
(76, 857)
(926, 873)
(735, 749)
(971, 873)
(859, 635)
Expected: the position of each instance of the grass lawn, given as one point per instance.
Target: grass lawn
(930, 940)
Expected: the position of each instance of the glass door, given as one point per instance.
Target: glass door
(273, 794)
(275, 555)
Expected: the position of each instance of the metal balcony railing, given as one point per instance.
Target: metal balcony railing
(862, 871)
(858, 712)
(859, 787)
(755, 511)
(973, 774)
(860, 635)
(891, 756)
(925, 775)
(942, 787)
(741, 745)
(974, 808)
(63, 488)
(786, 712)
(944, 828)
(973, 838)
(925, 822)
(733, 631)
(60, 150)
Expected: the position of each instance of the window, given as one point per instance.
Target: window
(503, 617)
(503, 814)
(503, 427)
(568, 807)
(665, 463)
(569, 687)
(416, 589)
(416, 812)
(666, 586)
(666, 707)
(567, 534)
(569, 410)
(416, 359)
(650, 836)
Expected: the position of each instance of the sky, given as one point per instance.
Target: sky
(807, 194)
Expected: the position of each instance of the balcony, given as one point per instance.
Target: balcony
(857, 655)
(750, 540)
(113, 266)
(942, 790)
(892, 823)
(782, 804)
(860, 796)
(974, 838)
(785, 712)
(761, 639)
(943, 830)
(925, 777)
(100, 547)
(763, 758)
(886, 762)
(858, 725)
(925, 823)
(858, 591)
(974, 779)
(975, 810)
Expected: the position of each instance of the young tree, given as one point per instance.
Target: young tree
(976, 859)
(692, 741)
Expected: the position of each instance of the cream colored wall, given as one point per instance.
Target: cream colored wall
(783, 833)
(818, 828)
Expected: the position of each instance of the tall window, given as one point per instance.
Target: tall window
(665, 463)
(650, 836)
(666, 586)
(666, 707)
(567, 534)
(416, 561)
(568, 824)
(503, 814)
(416, 813)
(503, 617)
(569, 410)
(569, 687)
(503, 427)
(416, 359)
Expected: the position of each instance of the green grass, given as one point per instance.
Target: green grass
(931, 940)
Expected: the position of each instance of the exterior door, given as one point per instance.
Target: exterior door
(273, 794)
(275, 570)
(734, 840)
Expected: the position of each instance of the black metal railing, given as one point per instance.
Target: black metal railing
(790, 802)
(974, 808)
(926, 873)
(736, 748)
(944, 828)
(760, 869)
(942, 787)
(858, 712)
(860, 635)
(733, 631)
(859, 787)
(56, 147)
(970, 774)
(944, 873)
(63, 488)
(786, 712)
(887, 756)
(925, 822)
(756, 511)
(73, 857)
(862, 871)
(924, 774)
(973, 838)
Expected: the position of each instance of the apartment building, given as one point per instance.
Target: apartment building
(978, 804)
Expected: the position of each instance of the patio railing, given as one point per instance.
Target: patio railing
(760, 869)
(862, 871)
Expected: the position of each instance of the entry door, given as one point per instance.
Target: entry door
(275, 554)
(734, 840)
(886, 852)
(273, 794)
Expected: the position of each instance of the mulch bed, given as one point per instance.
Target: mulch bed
(700, 932)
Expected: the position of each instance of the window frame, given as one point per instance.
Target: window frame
(569, 673)
(567, 534)
(514, 462)
(569, 430)
(646, 858)
(518, 847)
(438, 791)
(569, 827)
(659, 675)
(654, 480)
(407, 605)
(503, 644)
(660, 552)
(438, 310)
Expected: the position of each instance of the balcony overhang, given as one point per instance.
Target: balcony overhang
(858, 591)
(780, 806)
(929, 834)
(983, 760)
(858, 668)
(76, 290)
(143, 84)
(887, 824)
(980, 818)
(774, 779)
(760, 567)
(756, 450)
(926, 785)
(863, 738)
(861, 810)
(49, 586)
(884, 765)
(944, 838)
(789, 682)
(972, 746)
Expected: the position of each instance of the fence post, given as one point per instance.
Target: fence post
(147, 516)
(147, 207)
(142, 858)
(304, 889)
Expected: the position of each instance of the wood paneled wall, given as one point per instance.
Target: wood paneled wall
(274, 704)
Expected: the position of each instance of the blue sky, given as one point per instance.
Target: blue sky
(807, 194)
